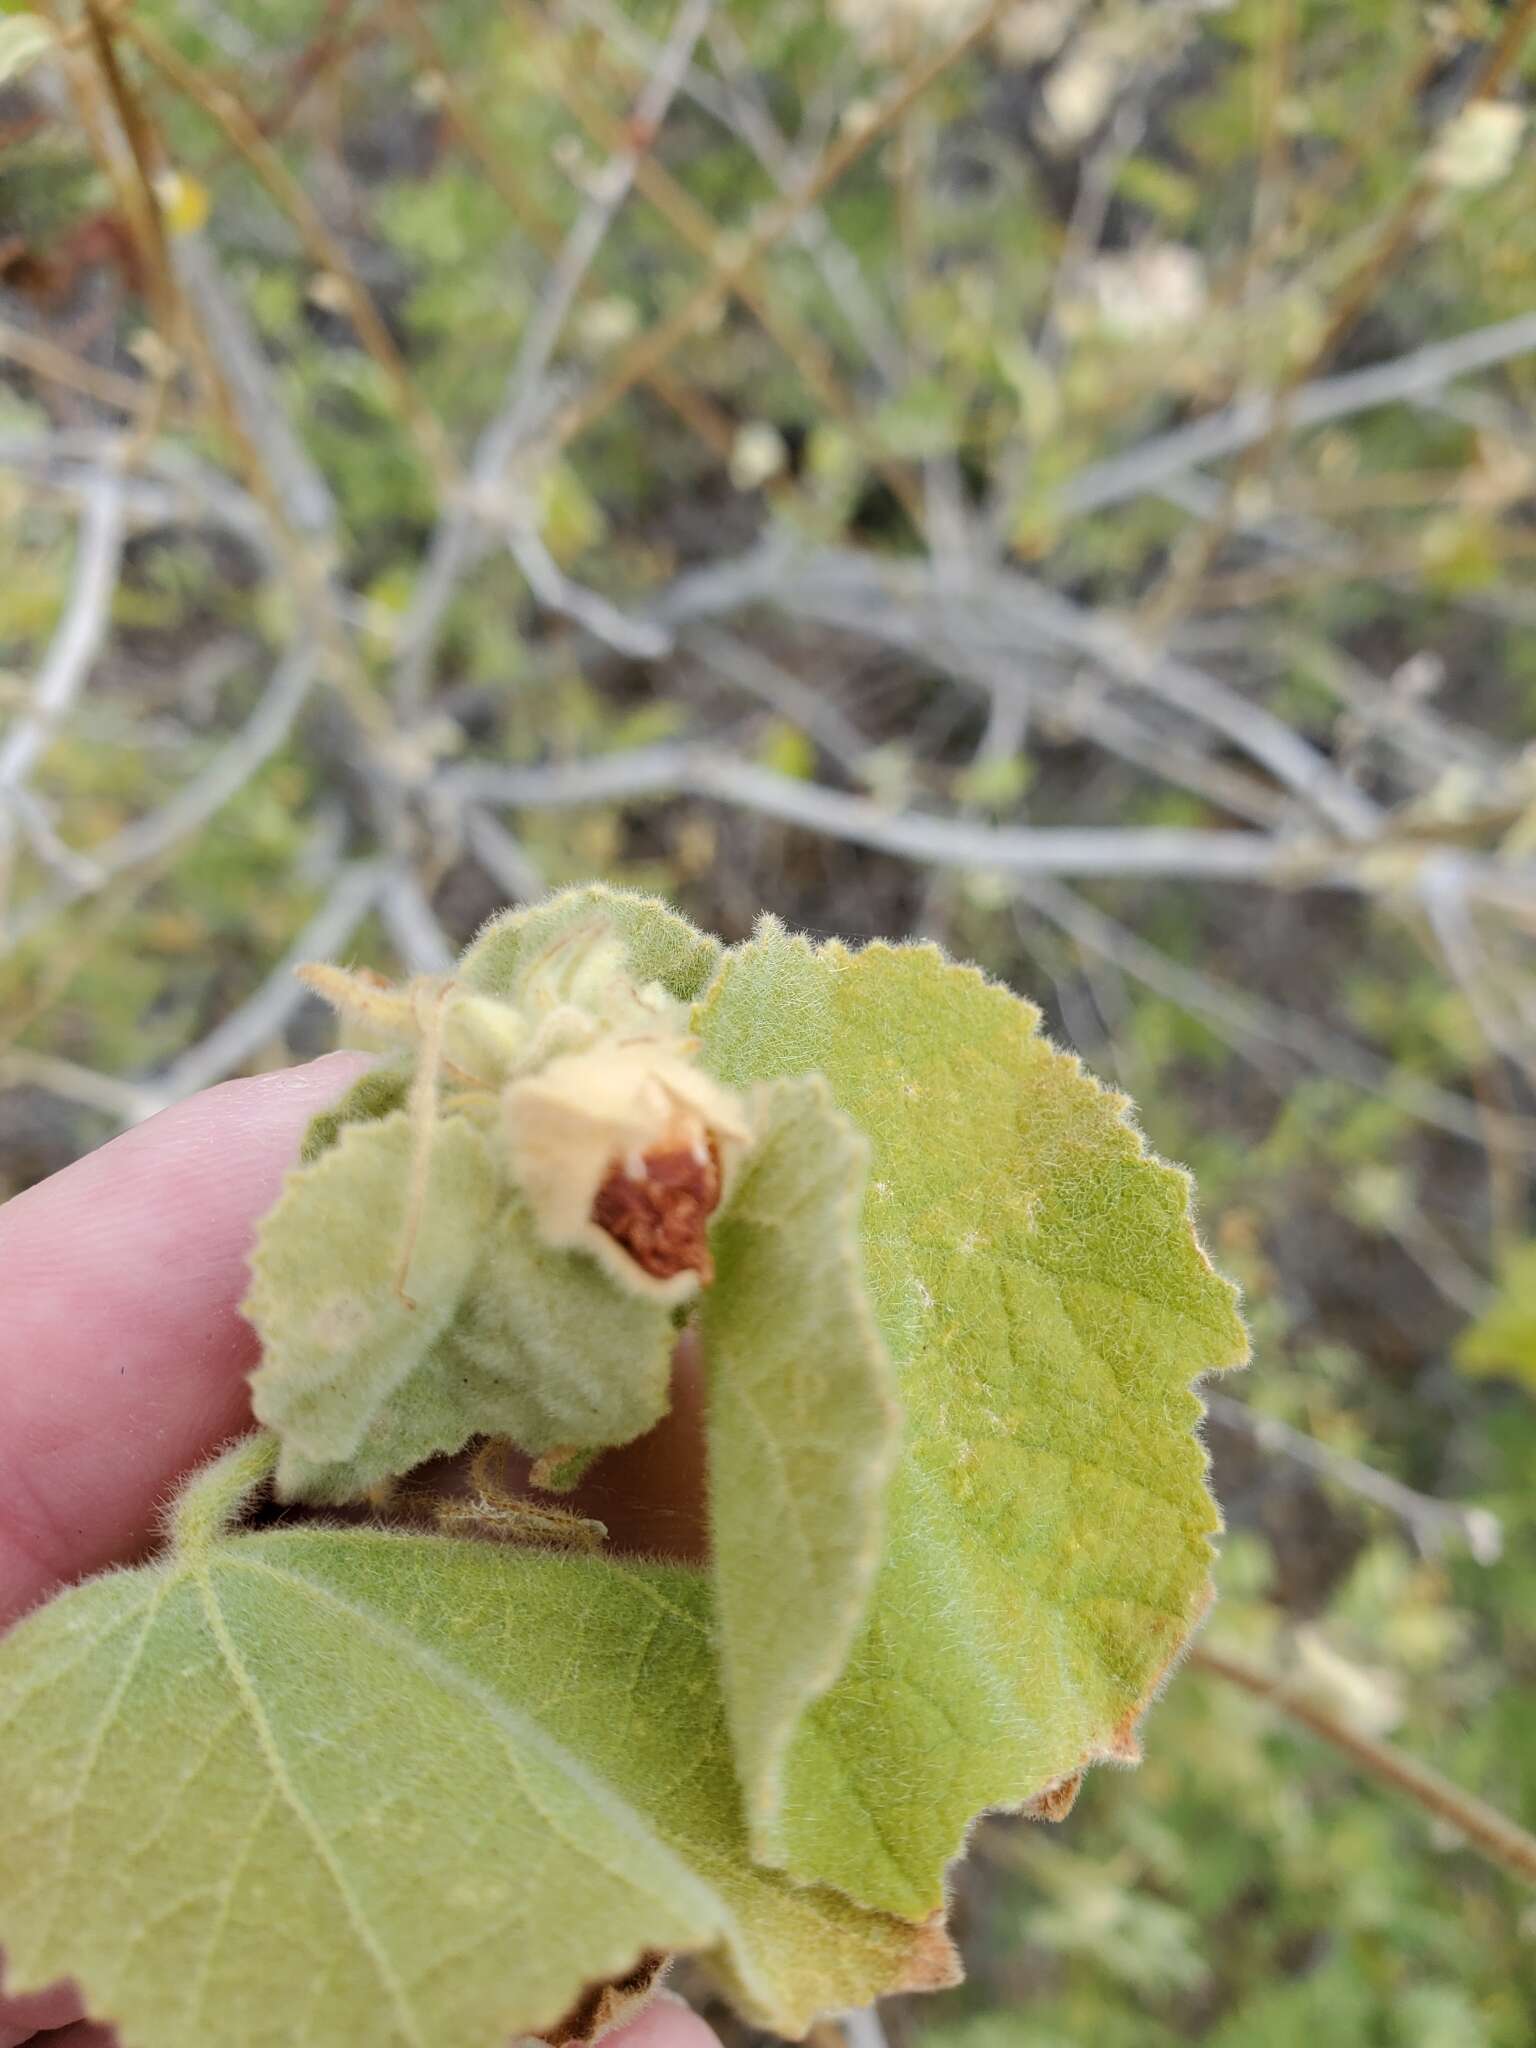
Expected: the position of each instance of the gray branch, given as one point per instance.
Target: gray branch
(1068, 850)
(196, 801)
(1429, 1521)
(459, 536)
(80, 633)
(1423, 373)
(263, 1015)
(1003, 614)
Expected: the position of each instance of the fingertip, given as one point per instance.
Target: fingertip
(665, 2023)
(123, 1357)
(38, 2013)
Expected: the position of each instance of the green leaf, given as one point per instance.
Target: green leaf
(503, 1323)
(314, 1785)
(1039, 1283)
(803, 1426)
(555, 1354)
(371, 1097)
(1503, 1339)
(346, 1318)
(499, 1336)
(521, 945)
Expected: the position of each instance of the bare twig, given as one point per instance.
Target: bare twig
(1392, 237)
(1485, 1829)
(325, 248)
(715, 428)
(304, 493)
(525, 403)
(734, 100)
(124, 1101)
(741, 107)
(80, 632)
(35, 821)
(1051, 850)
(1247, 1020)
(169, 482)
(605, 621)
(1443, 894)
(748, 668)
(1005, 611)
(74, 648)
(813, 360)
(262, 1016)
(1429, 1521)
(657, 345)
(44, 358)
(412, 923)
(1419, 375)
(197, 800)
(503, 857)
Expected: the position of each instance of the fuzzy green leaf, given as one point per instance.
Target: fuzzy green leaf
(553, 1353)
(343, 1327)
(313, 1786)
(803, 1424)
(501, 1336)
(1038, 1280)
(372, 1097)
(658, 945)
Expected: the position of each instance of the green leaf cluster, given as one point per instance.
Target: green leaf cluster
(423, 1789)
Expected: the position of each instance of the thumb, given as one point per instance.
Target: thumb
(666, 2022)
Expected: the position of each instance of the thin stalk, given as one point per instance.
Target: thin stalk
(1491, 1833)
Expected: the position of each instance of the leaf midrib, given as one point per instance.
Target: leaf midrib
(514, 1725)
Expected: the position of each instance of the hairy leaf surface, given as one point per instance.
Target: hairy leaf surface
(351, 1298)
(315, 1785)
(657, 945)
(1039, 1283)
(553, 1353)
(497, 1334)
(803, 1423)
(372, 1097)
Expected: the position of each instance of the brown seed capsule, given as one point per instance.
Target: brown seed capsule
(661, 1216)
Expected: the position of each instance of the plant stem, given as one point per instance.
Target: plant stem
(1492, 1833)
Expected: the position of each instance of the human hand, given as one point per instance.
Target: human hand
(123, 1363)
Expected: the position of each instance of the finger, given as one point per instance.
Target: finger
(21, 2018)
(665, 2023)
(122, 1356)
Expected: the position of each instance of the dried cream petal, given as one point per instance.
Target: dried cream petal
(624, 1151)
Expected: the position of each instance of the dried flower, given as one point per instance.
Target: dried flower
(626, 1151)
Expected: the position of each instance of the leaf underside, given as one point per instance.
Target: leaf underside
(369, 1369)
(803, 1422)
(493, 1333)
(1037, 1278)
(344, 1329)
(659, 945)
(371, 1098)
(315, 1785)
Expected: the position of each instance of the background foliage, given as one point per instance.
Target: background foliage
(810, 457)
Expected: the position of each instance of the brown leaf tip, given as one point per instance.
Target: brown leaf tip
(932, 1961)
(1057, 1800)
(605, 2006)
(658, 1206)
